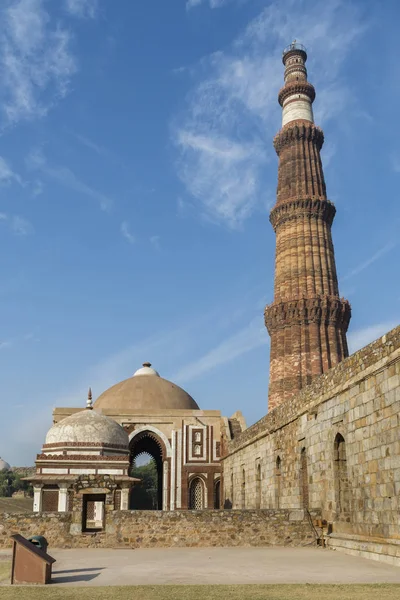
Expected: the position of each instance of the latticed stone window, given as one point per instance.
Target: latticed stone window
(196, 494)
(50, 499)
(90, 510)
(197, 449)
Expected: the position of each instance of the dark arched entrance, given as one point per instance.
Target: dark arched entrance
(147, 495)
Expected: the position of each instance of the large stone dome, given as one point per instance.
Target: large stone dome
(86, 428)
(4, 466)
(146, 390)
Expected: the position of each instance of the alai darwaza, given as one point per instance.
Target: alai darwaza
(89, 452)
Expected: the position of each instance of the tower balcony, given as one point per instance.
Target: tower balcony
(294, 48)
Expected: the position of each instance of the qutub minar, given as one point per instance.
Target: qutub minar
(307, 320)
(323, 465)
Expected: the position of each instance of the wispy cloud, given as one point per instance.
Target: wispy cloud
(221, 174)
(126, 233)
(21, 226)
(36, 63)
(17, 224)
(364, 336)
(212, 3)
(63, 175)
(11, 342)
(7, 175)
(248, 338)
(38, 188)
(369, 261)
(192, 3)
(232, 113)
(155, 241)
(85, 141)
(84, 9)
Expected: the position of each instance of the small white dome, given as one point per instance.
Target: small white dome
(146, 370)
(4, 466)
(87, 427)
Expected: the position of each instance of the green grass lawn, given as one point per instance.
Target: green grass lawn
(205, 592)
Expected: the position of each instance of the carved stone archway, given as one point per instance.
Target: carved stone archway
(148, 440)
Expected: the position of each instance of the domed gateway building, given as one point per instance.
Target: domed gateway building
(4, 466)
(86, 461)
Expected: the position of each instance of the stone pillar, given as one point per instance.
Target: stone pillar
(165, 485)
(37, 498)
(173, 469)
(63, 497)
(125, 499)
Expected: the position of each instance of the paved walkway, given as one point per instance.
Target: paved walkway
(215, 566)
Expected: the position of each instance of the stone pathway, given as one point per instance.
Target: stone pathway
(214, 566)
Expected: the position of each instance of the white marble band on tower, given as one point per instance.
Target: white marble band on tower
(297, 95)
(297, 108)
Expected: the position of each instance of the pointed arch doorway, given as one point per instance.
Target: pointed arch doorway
(148, 463)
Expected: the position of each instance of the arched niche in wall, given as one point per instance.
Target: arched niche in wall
(304, 503)
(258, 486)
(341, 480)
(278, 474)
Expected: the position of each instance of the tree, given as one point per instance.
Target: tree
(11, 482)
(144, 494)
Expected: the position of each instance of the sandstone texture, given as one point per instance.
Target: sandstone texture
(161, 529)
(335, 446)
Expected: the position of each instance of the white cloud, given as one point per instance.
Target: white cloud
(126, 233)
(21, 226)
(85, 141)
(369, 261)
(221, 174)
(17, 224)
(212, 3)
(38, 188)
(250, 337)
(66, 177)
(7, 175)
(192, 3)
(84, 9)
(224, 135)
(36, 63)
(362, 337)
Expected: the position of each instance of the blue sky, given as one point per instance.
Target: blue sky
(136, 177)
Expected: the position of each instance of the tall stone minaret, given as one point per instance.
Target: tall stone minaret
(307, 320)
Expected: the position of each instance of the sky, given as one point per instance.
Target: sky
(137, 173)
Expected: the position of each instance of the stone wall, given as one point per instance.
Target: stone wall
(160, 529)
(335, 446)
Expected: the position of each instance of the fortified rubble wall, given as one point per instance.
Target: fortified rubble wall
(160, 529)
(358, 399)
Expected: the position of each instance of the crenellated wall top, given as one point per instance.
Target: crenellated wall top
(348, 373)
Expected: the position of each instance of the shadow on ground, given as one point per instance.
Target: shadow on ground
(82, 575)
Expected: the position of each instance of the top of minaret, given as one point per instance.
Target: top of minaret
(297, 95)
(294, 47)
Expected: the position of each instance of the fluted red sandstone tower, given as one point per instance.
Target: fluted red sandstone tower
(307, 320)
